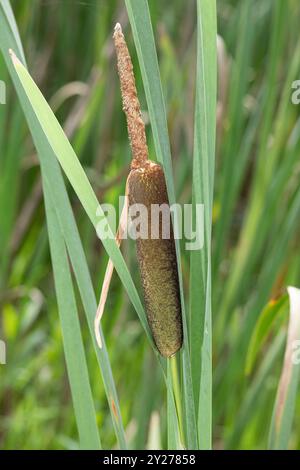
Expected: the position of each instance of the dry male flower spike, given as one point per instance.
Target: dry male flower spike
(146, 185)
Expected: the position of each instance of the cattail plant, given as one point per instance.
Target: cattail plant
(146, 185)
(233, 312)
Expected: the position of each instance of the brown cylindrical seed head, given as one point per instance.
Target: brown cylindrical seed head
(157, 262)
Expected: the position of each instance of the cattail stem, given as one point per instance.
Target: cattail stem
(131, 104)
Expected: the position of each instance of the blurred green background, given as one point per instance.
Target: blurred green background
(69, 50)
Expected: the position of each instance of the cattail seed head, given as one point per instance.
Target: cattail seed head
(157, 262)
(146, 185)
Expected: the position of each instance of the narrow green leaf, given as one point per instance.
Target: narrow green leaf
(173, 425)
(203, 177)
(72, 339)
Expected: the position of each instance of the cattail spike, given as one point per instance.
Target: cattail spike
(131, 104)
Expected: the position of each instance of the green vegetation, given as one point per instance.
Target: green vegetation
(227, 388)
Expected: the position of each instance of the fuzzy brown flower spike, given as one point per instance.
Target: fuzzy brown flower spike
(131, 104)
(156, 256)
